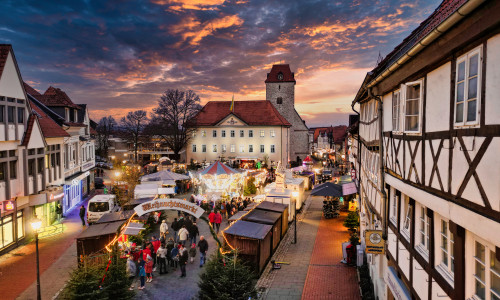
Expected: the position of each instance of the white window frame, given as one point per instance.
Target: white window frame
(242, 148)
(194, 148)
(396, 111)
(472, 276)
(214, 133)
(423, 227)
(441, 250)
(203, 133)
(233, 134)
(204, 148)
(272, 133)
(250, 148)
(394, 207)
(420, 106)
(273, 149)
(242, 133)
(223, 148)
(214, 148)
(465, 58)
(223, 133)
(250, 133)
(262, 133)
(406, 216)
(233, 148)
(262, 148)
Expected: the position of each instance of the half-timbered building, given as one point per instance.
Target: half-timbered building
(429, 144)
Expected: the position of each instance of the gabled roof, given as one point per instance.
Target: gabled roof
(49, 127)
(338, 132)
(56, 97)
(30, 90)
(4, 53)
(29, 130)
(254, 113)
(284, 69)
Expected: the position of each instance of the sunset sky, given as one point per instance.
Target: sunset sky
(118, 56)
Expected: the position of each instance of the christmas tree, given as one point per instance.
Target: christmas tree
(84, 283)
(352, 221)
(226, 279)
(116, 283)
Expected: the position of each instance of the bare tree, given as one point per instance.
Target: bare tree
(104, 129)
(170, 119)
(133, 125)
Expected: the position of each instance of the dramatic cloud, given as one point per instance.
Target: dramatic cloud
(118, 56)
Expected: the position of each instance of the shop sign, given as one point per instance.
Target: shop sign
(169, 204)
(8, 206)
(374, 242)
(88, 165)
(76, 181)
(353, 174)
(353, 205)
(399, 291)
(55, 197)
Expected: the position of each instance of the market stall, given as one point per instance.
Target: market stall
(283, 196)
(279, 208)
(252, 240)
(95, 238)
(269, 218)
(219, 178)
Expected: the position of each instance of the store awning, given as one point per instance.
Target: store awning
(327, 189)
(75, 178)
(115, 216)
(133, 228)
(97, 230)
(249, 230)
(349, 188)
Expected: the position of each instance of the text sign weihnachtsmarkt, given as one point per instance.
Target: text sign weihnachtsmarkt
(169, 204)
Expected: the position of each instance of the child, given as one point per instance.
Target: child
(149, 269)
(192, 252)
(142, 272)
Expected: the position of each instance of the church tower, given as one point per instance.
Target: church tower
(280, 91)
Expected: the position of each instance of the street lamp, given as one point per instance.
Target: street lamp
(295, 194)
(36, 224)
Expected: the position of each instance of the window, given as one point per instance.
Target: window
(467, 88)
(242, 133)
(66, 113)
(242, 148)
(40, 165)
(76, 115)
(20, 115)
(223, 148)
(412, 106)
(272, 149)
(2, 108)
(262, 133)
(279, 100)
(223, 133)
(6, 231)
(13, 169)
(486, 273)
(446, 260)
(424, 227)
(203, 148)
(20, 224)
(233, 148)
(214, 133)
(232, 133)
(203, 133)
(262, 149)
(10, 113)
(31, 167)
(394, 206)
(2, 171)
(406, 218)
(272, 132)
(214, 148)
(250, 133)
(250, 148)
(396, 111)
(194, 148)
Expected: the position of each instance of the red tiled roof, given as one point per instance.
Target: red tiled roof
(445, 9)
(49, 127)
(260, 112)
(338, 132)
(4, 53)
(29, 129)
(56, 97)
(288, 75)
(31, 90)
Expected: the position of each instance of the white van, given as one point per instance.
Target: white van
(100, 205)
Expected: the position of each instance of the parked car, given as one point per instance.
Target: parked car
(100, 205)
(327, 175)
(99, 183)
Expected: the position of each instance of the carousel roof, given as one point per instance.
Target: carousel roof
(218, 168)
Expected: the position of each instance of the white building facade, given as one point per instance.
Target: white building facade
(429, 138)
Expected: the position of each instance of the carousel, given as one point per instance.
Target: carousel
(218, 179)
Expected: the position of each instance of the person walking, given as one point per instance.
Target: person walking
(192, 252)
(211, 217)
(82, 214)
(149, 269)
(193, 233)
(203, 247)
(155, 243)
(183, 235)
(59, 212)
(175, 227)
(217, 220)
(164, 227)
(174, 254)
(142, 272)
(183, 259)
(170, 246)
(161, 256)
(131, 270)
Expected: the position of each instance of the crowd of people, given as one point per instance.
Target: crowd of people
(167, 253)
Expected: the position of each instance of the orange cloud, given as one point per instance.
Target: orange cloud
(179, 5)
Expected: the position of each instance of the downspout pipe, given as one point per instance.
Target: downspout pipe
(381, 163)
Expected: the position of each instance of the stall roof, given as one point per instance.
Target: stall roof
(250, 206)
(249, 230)
(133, 228)
(276, 207)
(238, 215)
(139, 201)
(115, 216)
(264, 216)
(100, 229)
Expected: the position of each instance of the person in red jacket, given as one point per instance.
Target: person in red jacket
(156, 245)
(217, 220)
(145, 252)
(149, 269)
(211, 217)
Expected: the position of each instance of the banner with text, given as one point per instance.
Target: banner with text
(169, 204)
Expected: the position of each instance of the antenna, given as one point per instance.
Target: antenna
(380, 58)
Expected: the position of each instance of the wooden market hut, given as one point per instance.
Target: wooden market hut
(253, 242)
(279, 208)
(269, 218)
(96, 237)
(237, 216)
